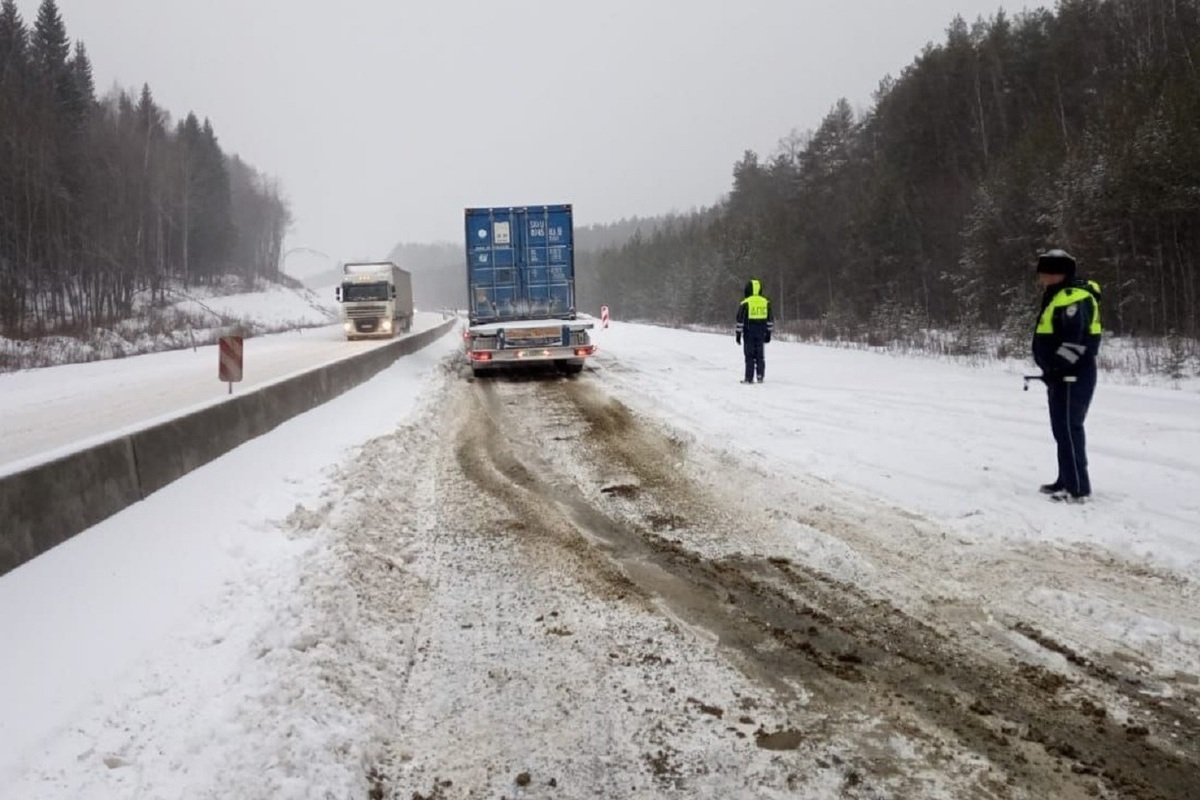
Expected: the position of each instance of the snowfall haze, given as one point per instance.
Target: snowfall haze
(384, 120)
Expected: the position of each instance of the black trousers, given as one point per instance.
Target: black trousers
(752, 347)
(1069, 403)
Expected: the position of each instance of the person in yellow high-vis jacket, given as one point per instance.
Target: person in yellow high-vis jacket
(1065, 343)
(754, 324)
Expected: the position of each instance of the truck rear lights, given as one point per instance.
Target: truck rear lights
(480, 356)
(585, 351)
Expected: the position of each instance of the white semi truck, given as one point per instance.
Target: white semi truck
(376, 299)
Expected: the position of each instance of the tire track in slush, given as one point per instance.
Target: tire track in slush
(797, 630)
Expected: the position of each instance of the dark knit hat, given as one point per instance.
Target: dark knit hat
(1056, 262)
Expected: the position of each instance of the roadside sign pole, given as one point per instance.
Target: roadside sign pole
(229, 366)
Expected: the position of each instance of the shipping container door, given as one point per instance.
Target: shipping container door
(492, 269)
(521, 262)
(547, 280)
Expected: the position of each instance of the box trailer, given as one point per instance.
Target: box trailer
(521, 286)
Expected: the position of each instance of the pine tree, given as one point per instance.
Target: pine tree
(187, 136)
(14, 42)
(154, 196)
(51, 46)
(1175, 362)
(13, 141)
(81, 74)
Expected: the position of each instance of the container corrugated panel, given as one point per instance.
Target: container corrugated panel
(520, 263)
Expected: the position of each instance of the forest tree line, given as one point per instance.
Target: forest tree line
(103, 198)
(1076, 128)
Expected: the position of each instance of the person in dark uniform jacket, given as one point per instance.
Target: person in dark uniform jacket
(1065, 344)
(754, 324)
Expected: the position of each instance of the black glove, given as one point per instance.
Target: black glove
(738, 337)
(768, 337)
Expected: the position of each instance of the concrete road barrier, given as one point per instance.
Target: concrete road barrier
(169, 450)
(45, 505)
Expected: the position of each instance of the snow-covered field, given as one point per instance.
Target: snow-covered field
(226, 637)
(959, 443)
(190, 317)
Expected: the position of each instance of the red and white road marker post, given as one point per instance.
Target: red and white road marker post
(229, 368)
(603, 316)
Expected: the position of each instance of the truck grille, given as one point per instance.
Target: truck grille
(363, 312)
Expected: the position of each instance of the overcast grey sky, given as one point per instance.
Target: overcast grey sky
(383, 119)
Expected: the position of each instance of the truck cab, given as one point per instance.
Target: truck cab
(375, 299)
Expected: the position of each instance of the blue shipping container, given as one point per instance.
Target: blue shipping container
(520, 263)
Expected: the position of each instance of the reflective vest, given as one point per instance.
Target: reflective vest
(756, 308)
(1069, 296)
(756, 305)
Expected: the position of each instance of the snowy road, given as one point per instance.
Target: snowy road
(588, 581)
(639, 583)
(44, 412)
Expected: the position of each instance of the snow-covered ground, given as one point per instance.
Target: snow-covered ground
(958, 443)
(174, 650)
(188, 318)
(272, 307)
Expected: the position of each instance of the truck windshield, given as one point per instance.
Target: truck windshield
(352, 292)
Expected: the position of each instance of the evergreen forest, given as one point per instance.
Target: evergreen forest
(103, 199)
(1076, 128)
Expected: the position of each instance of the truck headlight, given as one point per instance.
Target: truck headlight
(349, 326)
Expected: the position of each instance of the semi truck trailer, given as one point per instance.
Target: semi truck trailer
(521, 286)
